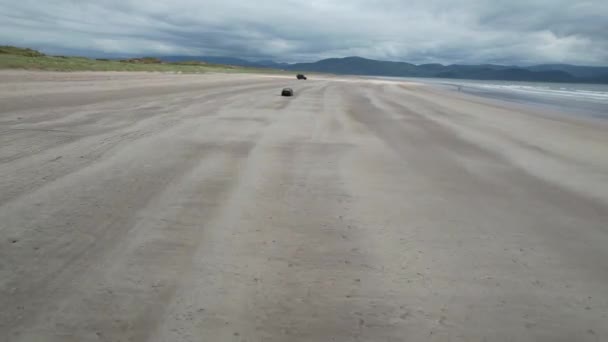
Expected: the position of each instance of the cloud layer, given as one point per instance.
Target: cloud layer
(419, 31)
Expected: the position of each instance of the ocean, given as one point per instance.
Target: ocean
(571, 98)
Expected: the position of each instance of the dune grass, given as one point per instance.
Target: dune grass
(27, 59)
(13, 50)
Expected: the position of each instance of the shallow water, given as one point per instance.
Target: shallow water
(573, 98)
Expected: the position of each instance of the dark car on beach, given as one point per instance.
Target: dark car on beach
(301, 77)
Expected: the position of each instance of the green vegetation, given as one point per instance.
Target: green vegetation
(143, 60)
(28, 59)
(13, 50)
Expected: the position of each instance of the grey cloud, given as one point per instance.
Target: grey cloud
(466, 31)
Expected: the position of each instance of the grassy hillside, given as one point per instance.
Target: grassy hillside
(18, 58)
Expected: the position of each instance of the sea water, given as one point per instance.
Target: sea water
(573, 98)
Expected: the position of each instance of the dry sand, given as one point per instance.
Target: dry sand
(158, 207)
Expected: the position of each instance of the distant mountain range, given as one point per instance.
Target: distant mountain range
(226, 61)
(542, 73)
(370, 67)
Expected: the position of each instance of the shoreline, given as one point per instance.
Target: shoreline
(532, 94)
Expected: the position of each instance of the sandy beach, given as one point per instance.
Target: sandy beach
(164, 207)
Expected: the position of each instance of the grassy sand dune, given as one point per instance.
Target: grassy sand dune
(20, 58)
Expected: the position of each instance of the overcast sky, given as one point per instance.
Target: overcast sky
(419, 31)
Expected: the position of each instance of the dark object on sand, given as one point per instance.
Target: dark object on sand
(287, 92)
(301, 77)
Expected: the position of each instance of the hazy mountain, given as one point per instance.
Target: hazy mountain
(541, 73)
(208, 59)
(271, 64)
(226, 61)
(574, 70)
(357, 66)
(364, 66)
